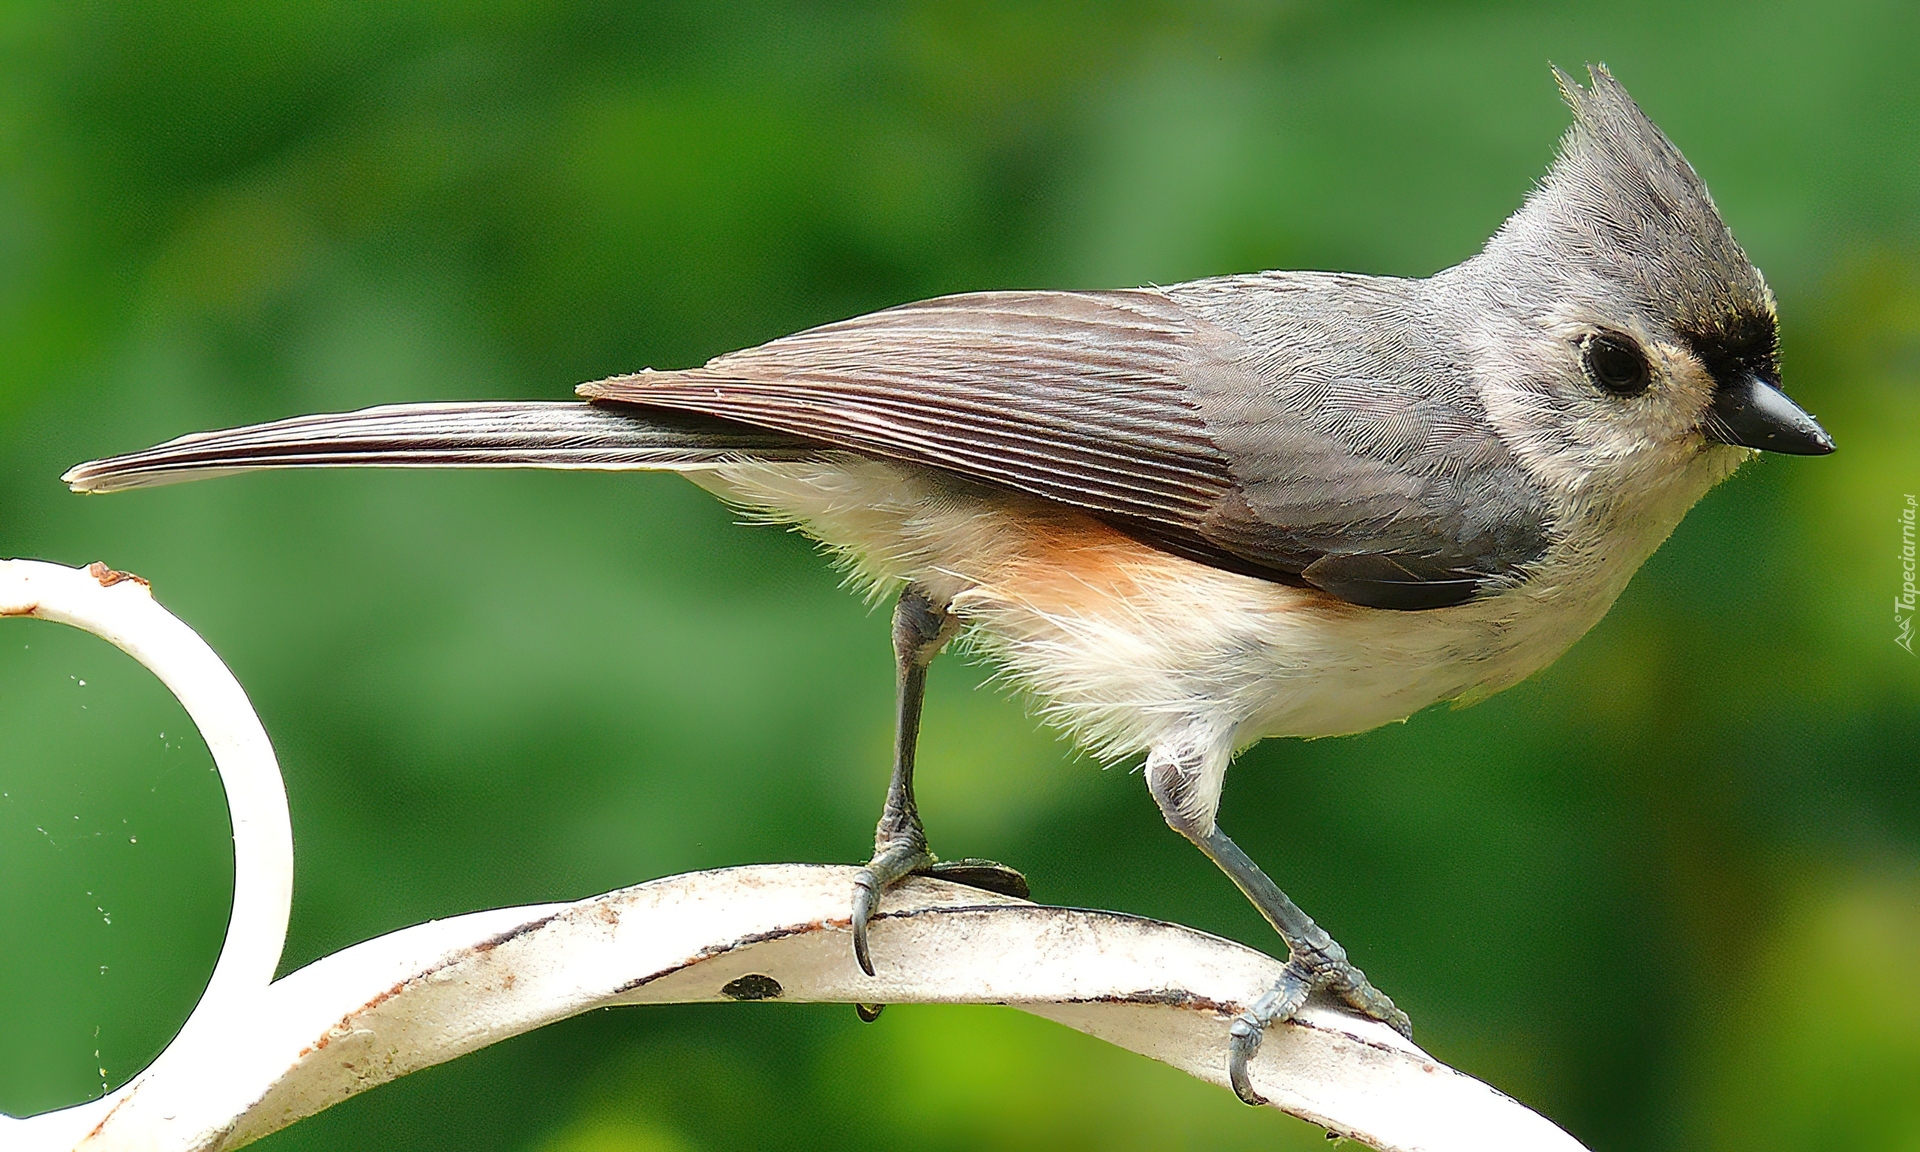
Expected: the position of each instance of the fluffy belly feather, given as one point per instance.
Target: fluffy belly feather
(1124, 645)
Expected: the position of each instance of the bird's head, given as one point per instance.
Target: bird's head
(1637, 343)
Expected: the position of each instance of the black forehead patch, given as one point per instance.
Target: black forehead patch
(1737, 346)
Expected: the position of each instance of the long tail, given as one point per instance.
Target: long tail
(527, 434)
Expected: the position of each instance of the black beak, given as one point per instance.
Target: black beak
(1754, 413)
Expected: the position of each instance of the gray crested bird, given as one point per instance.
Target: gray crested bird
(1192, 517)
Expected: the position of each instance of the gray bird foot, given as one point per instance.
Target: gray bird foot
(986, 875)
(893, 861)
(905, 856)
(1306, 970)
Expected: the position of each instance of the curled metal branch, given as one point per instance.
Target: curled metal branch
(256, 1057)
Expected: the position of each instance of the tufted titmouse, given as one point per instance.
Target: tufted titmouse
(1187, 518)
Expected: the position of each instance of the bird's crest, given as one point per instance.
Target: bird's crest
(1621, 202)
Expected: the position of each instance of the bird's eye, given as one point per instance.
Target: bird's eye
(1614, 362)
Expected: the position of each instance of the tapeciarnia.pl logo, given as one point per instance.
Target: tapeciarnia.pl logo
(1903, 604)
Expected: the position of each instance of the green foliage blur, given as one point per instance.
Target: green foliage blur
(1667, 891)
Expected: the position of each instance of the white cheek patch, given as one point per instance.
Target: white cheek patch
(1571, 436)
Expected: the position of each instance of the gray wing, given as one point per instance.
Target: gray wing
(1149, 411)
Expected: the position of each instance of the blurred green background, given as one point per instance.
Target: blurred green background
(1667, 891)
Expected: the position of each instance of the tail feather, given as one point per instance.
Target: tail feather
(515, 434)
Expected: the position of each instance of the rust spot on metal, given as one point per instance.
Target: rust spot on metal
(95, 1130)
(375, 1002)
(108, 577)
(769, 934)
(1006, 910)
(752, 986)
(488, 945)
(345, 1024)
(1168, 998)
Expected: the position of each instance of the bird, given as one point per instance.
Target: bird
(1190, 517)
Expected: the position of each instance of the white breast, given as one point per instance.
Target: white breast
(1123, 644)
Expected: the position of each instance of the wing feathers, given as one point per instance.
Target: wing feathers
(1103, 400)
(1145, 408)
(1075, 397)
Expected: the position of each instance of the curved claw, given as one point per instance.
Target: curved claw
(895, 860)
(908, 856)
(1243, 1041)
(866, 892)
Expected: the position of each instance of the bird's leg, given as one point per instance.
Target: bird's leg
(921, 627)
(1314, 959)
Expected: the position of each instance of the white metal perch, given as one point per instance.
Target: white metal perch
(258, 1054)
